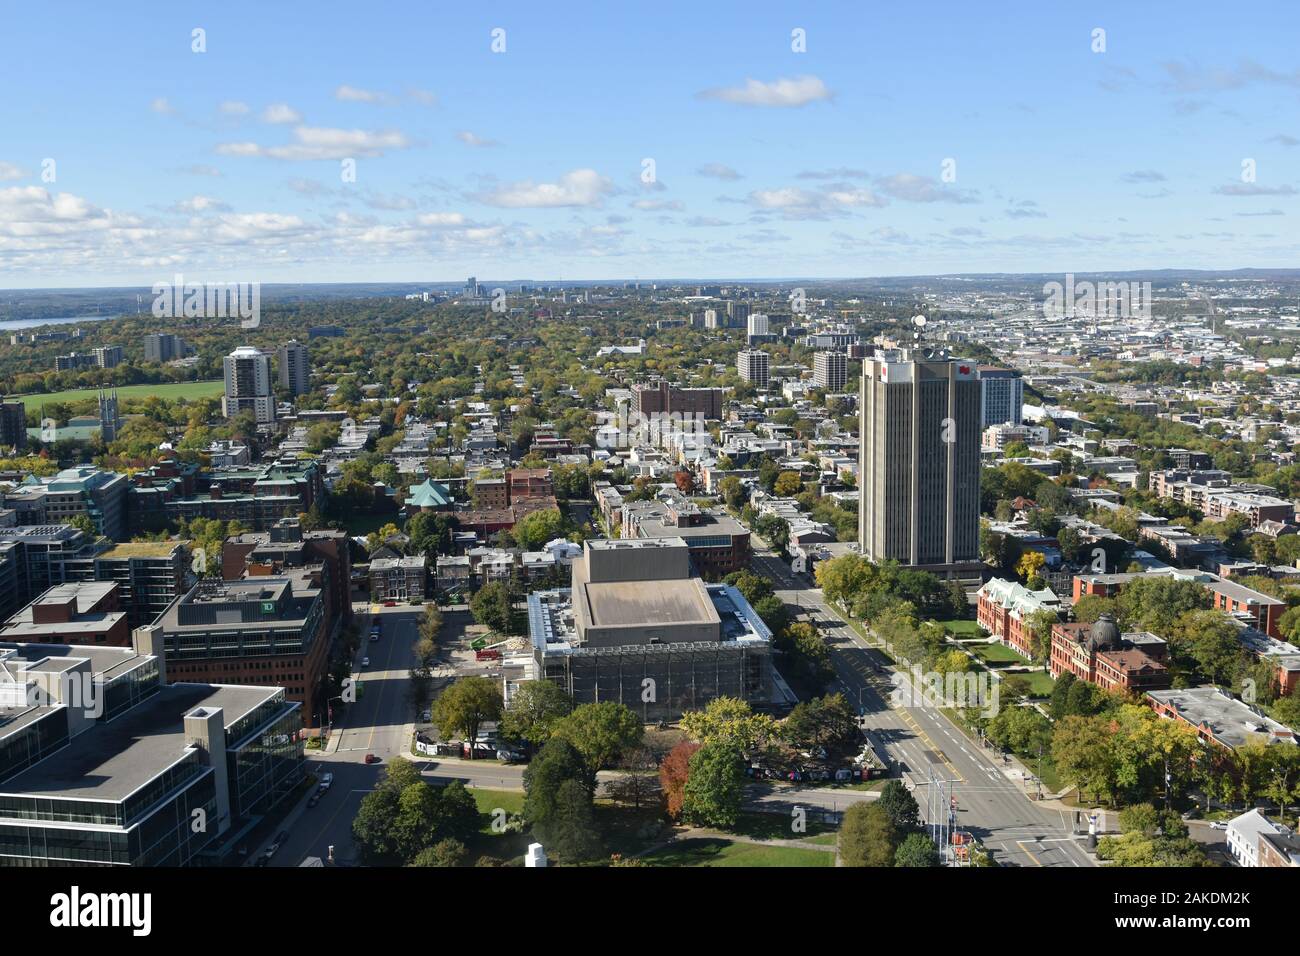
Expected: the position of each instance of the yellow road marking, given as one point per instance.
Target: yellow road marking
(1037, 862)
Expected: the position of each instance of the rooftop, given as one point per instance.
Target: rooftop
(112, 760)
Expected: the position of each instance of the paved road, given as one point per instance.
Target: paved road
(378, 723)
(989, 805)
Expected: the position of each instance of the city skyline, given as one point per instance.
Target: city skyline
(861, 155)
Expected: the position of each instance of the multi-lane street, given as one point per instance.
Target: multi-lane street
(990, 803)
(379, 723)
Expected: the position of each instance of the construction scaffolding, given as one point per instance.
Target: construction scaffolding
(662, 681)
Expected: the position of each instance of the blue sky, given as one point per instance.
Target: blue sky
(228, 164)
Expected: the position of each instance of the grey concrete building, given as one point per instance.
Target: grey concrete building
(919, 472)
(638, 628)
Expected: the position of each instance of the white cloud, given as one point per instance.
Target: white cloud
(579, 187)
(353, 94)
(162, 105)
(234, 108)
(718, 171)
(799, 91)
(281, 114)
(1254, 189)
(441, 220)
(10, 171)
(200, 204)
(658, 205)
(318, 142)
(472, 139)
(793, 202)
(912, 188)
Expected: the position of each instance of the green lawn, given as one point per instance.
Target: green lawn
(719, 852)
(778, 826)
(171, 390)
(997, 654)
(963, 630)
(1040, 683)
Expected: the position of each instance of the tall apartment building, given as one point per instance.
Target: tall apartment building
(13, 425)
(831, 370)
(754, 366)
(248, 384)
(107, 356)
(737, 314)
(920, 464)
(161, 347)
(294, 368)
(758, 324)
(1002, 396)
(73, 362)
(660, 397)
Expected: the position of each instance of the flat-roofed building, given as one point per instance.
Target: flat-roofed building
(87, 613)
(638, 628)
(718, 543)
(399, 579)
(659, 398)
(262, 631)
(104, 763)
(920, 471)
(1220, 718)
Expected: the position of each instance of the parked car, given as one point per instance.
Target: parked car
(426, 716)
(365, 662)
(313, 800)
(390, 604)
(371, 758)
(1218, 825)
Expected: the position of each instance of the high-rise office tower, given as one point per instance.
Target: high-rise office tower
(295, 368)
(754, 366)
(248, 384)
(831, 370)
(1002, 396)
(919, 475)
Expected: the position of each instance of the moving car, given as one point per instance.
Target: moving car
(314, 799)
(365, 662)
(325, 780)
(275, 845)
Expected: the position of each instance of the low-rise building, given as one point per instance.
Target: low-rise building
(1099, 654)
(399, 578)
(637, 627)
(103, 762)
(1005, 609)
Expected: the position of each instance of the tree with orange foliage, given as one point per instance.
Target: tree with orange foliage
(673, 772)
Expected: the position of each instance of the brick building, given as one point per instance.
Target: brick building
(1005, 610)
(1099, 654)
